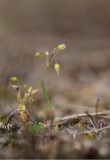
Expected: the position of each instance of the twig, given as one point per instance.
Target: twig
(97, 105)
(10, 115)
(82, 115)
(30, 117)
(91, 118)
(13, 113)
(96, 130)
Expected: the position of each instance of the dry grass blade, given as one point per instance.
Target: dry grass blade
(82, 115)
(97, 105)
(93, 131)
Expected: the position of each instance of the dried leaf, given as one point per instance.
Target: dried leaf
(19, 98)
(21, 108)
(56, 128)
(35, 91)
(15, 87)
(30, 90)
(23, 117)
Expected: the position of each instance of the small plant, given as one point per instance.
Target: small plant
(28, 94)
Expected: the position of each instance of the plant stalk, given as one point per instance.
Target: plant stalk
(47, 66)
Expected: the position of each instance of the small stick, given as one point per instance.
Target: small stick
(11, 114)
(96, 130)
(30, 117)
(97, 105)
(91, 119)
(82, 115)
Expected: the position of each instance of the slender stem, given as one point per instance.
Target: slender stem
(51, 58)
(47, 60)
(21, 82)
(42, 77)
(22, 85)
(47, 66)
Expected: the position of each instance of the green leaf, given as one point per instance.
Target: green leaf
(33, 129)
(46, 95)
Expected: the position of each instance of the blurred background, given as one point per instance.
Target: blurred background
(28, 26)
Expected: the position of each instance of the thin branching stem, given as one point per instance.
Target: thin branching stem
(47, 66)
(42, 77)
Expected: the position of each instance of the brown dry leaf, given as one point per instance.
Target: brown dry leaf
(15, 87)
(19, 98)
(35, 91)
(21, 108)
(30, 90)
(23, 116)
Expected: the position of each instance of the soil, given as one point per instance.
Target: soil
(76, 136)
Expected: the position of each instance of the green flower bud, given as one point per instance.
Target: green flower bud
(57, 68)
(14, 79)
(46, 53)
(61, 46)
(37, 54)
